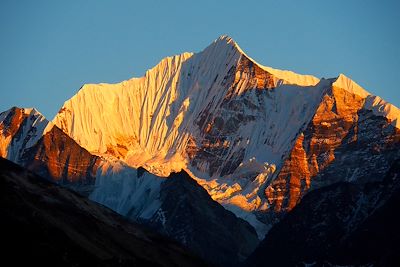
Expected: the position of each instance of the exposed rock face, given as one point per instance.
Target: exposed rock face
(20, 129)
(255, 76)
(293, 179)
(61, 159)
(30, 140)
(47, 225)
(344, 141)
(12, 121)
(345, 224)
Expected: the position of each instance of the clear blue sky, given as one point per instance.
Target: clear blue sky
(48, 49)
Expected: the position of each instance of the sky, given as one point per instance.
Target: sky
(49, 49)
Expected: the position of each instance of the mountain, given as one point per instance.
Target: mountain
(134, 193)
(48, 225)
(205, 131)
(29, 139)
(256, 138)
(20, 129)
(344, 224)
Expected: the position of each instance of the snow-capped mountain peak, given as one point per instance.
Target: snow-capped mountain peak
(374, 103)
(285, 76)
(217, 114)
(20, 129)
(344, 82)
(229, 121)
(227, 40)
